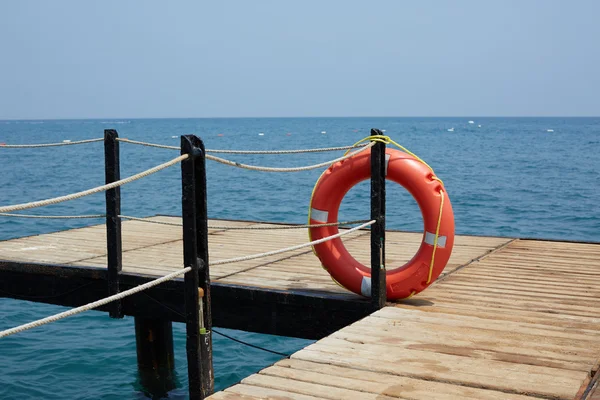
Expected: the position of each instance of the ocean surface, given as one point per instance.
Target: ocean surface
(513, 177)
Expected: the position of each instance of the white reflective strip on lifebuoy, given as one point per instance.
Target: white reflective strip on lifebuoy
(365, 287)
(430, 239)
(387, 161)
(319, 215)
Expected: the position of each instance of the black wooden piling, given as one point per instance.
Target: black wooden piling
(378, 172)
(195, 255)
(203, 272)
(113, 221)
(155, 356)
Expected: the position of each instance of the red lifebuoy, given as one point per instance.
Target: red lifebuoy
(416, 177)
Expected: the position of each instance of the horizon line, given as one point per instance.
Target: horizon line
(297, 117)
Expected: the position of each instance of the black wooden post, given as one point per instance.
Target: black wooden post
(195, 255)
(378, 172)
(203, 270)
(155, 356)
(113, 221)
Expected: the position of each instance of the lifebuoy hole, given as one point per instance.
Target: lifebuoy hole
(402, 214)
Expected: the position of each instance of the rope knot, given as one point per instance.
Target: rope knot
(380, 138)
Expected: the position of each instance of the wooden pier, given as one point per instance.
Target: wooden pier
(508, 319)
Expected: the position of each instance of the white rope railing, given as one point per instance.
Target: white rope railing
(298, 151)
(93, 305)
(151, 221)
(147, 144)
(56, 200)
(91, 216)
(292, 169)
(318, 150)
(292, 248)
(63, 143)
(275, 227)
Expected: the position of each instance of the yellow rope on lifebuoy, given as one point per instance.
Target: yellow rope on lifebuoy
(388, 140)
(437, 235)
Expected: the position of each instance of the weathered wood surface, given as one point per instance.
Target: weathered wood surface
(155, 250)
(520, 323)
(511, 319)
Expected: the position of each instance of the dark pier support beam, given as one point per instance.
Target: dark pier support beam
(197, 281)
(155, 356)
(378, 172)
(113, 221)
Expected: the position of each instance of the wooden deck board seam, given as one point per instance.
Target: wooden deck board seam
(476, 259)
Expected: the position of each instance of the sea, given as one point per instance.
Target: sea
(508, 177)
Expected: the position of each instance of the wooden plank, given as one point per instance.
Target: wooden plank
(233, 396)
(545, 263)
(310, 388)
(475, 343)
(511, 305)
(449, 308)
(523, 331)
(532, 272)
(548, 282)
(504, 310)
(380, 383)
(267, 393)
(494, 375)
(556, 245)
(531, 290)
(524, 294)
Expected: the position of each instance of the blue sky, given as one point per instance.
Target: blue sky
(128, 59)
